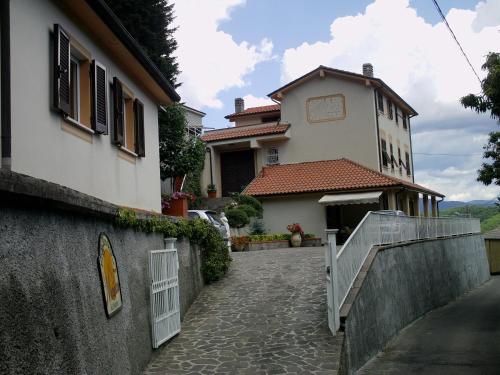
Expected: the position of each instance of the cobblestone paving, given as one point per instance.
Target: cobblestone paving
(267, 316)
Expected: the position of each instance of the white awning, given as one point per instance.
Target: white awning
(353, 198)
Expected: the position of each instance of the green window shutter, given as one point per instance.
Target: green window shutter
(139, 128)
(118, 110)
(99, 98)
(61, 74)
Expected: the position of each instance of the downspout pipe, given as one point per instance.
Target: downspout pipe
(411, 151)
(209, 150)
(437, 202)
(378, 131)
(6, 138)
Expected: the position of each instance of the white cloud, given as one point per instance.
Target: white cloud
(487, 14)
(254, 101)
(210, 60)
(423, 64)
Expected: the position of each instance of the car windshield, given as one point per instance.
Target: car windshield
(214, 218)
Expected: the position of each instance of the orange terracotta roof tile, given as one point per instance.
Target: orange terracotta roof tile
(255, 110)
(244, 132)
(322, 176)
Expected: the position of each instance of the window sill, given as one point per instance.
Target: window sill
(78, 125)
(127, 151)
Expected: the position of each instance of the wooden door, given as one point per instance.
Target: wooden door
(237, 169)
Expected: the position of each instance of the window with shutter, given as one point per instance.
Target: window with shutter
(392, 156)
(389, 110)
(118, 113)
(405, 125)
(385, 155)
(139, 128)
(400, 161)
(62, 59)
(380, 101)
(408, 169)
(99, 98)
(396, 114)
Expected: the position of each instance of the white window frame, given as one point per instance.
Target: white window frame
(273, 156)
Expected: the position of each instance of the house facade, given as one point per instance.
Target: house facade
(325, 115)
(83, 101)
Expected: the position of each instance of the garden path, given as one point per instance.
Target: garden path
(267, 316)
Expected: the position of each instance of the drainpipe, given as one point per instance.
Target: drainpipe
(6, 139)
(437, 202)
(411, 152)
(209, 150)
(378, 133)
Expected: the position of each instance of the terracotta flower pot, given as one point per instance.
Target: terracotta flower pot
(212, 194)
(178, 207)
(296, 240)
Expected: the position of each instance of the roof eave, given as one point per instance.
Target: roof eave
(377, 81)
(112, 21)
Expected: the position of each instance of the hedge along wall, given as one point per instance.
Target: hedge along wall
(52, 315)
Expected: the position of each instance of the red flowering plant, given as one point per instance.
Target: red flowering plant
(166, 198)
(295, 228)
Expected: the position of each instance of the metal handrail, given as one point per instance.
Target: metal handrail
(379, 229)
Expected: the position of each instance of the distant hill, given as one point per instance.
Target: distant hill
(444, 205)
(489, 214)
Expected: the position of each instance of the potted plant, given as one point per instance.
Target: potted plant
(211, 190)
(175, 205)
(297, 234)
(240, 243)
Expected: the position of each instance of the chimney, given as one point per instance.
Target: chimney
(239, 105)
(368, 70)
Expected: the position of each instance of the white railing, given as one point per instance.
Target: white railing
(380, 229)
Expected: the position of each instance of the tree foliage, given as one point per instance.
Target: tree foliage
(179, 154)
(150, 23)
(488, 101)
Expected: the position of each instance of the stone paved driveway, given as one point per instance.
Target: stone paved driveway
(267, 316)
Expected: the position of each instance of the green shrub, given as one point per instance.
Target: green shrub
(249, 210)
(214, 253)
(250, 201)
(270, 237)
(237, 218)
(258, 227)
(308, 236)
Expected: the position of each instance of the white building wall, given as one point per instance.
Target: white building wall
(353, 137)
(302, 209)
(40, 148)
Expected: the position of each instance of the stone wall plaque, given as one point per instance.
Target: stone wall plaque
(326, 108)
(110, 280)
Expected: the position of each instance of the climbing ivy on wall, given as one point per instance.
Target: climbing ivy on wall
(214, 252)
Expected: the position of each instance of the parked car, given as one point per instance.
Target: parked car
(391, 212)
(212, 217)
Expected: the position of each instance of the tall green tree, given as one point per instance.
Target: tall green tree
(179, 154)
(489, 101)
(150, 23)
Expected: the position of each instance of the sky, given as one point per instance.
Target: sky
(249, 48)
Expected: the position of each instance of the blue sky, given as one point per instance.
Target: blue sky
(248, 48)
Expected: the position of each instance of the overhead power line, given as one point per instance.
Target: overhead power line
(428, 154)
(454, 37)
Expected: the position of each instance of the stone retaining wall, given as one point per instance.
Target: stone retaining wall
(400, 283)
(52, 315)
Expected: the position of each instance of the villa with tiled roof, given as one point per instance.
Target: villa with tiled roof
(335, 145)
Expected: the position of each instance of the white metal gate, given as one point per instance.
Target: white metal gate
(165, 308)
